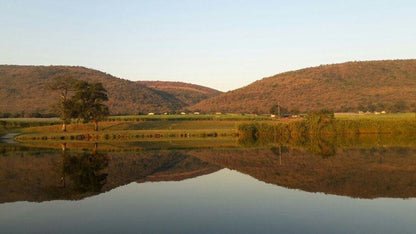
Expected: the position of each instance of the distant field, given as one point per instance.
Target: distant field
(190, 117)
(55, 119)
(374, 116)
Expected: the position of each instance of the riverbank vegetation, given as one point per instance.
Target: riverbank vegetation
(248, 128)
(321, 132)
(324, 123)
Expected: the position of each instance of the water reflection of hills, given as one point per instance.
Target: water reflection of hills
(361, 173)
(51, 175)
(32, 176)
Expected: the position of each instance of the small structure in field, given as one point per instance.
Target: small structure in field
(183, 113)
(273, 116)
(196, 113)
(218, 113)
(150, 113)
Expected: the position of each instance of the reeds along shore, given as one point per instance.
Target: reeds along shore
(327, 127)
(324, 137)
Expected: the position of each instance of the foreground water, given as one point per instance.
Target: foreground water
(215, 190)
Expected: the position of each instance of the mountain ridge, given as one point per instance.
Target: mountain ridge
(188, 93)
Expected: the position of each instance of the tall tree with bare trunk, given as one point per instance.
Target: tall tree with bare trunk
(65, 84)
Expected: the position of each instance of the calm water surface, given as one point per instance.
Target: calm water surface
(228, 190)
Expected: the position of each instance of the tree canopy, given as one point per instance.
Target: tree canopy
(86, 103)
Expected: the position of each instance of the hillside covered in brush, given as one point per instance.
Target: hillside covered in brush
(23, 90)
(190, 94)
(352, 86)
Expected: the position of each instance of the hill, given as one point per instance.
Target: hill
(352, 86)
(23, 90)
(190, 94)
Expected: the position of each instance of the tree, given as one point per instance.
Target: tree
(65, 106)
(399, 106)
(278, 110)
(275, 110)
(88, 102)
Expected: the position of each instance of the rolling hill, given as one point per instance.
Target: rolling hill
(23, 90)
(190, 94)
(367, 86)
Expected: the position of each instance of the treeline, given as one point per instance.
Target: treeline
(13, 124)
(27, 115)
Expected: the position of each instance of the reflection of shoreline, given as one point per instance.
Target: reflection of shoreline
(327, 143)
(8, 138)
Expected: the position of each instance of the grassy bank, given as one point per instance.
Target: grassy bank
(49, 127)
(135, 130)
(189, 117)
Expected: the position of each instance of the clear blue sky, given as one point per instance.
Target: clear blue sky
(221, 44)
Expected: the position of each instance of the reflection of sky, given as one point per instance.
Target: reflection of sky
(225, 201)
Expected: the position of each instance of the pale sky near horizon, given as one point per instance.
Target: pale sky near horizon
(219, 44)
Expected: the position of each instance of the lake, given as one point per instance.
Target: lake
(108, 188)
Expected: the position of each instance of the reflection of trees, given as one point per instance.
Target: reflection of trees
(324, 147)
(254, 141)
(278, 151)
(85, 170)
